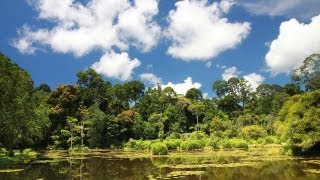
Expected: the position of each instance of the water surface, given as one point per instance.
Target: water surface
(108, 165)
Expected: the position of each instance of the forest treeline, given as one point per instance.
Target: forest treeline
(97, 114)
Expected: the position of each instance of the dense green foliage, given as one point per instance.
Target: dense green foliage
(299, 122)
(97, 114)
(159, 148)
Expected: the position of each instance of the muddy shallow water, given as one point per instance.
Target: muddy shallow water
(123, 165)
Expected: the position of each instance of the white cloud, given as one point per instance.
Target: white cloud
(99, 24)
(182, 88)
(208, 64)
(294, 43)
(150, 78)
(136, 23)
(229, 73)
(206, 96)
(199, 31)
(304, 9)
(254, 80)
(118, 66)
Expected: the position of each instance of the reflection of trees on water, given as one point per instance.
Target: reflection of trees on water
(267, 170)
(140, 168)
(99, 168)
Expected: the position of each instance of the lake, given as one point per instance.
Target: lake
(196, 165)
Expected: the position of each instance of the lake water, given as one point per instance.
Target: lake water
(124, 166)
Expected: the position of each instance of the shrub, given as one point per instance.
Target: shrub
(191, 144)
(271, 140)
(159, 148)
(261, 141)
(173, 144)
(174, 136)
(30, 153)
(239, 143)
(197, 135)
(130, 144)
(226, 144)
(79, 148)
(137, 144)
(253, 132)
(214, 143)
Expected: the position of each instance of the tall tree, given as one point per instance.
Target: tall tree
(103, 130)
(168, 96)
(149, 103)
(292, 89)
(220, 87)
(134, 90)
(240, 89)
(194, 94)
(264, 95)
(94, 88)
(65, 101)
(197, 109)
(18, 114)
(309, 73)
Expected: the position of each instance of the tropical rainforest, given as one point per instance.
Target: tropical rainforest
(94, 113)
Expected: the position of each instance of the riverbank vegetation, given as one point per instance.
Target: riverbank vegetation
(93, 113)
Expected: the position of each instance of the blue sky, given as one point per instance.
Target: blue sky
(182, 44)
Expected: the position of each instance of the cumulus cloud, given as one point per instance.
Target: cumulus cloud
(118, 66)
(199, 31)
(99, 24)
(229, 73)
(182, 88)
(150, 78)
(254, 80)
(304, 9)
(295, 42)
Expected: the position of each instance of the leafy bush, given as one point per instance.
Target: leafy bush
(173, 144)
(79, 148)
(174, 136)
(226, 144)
(261, 141)
(159, 148)
(30, 153)
(253, 132)
(192, 144)
(214, 143)
(239, 143)
(138, 144)
(271, 140)
(198, 135)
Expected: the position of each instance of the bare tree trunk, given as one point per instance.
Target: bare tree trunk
(197, 122)
(81, 134)
(71, 139)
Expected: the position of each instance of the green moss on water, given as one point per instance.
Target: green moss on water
(174, 174)
(316, 171)
(48, 161)
(198, 166)
(10, 170)
(312, 162)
